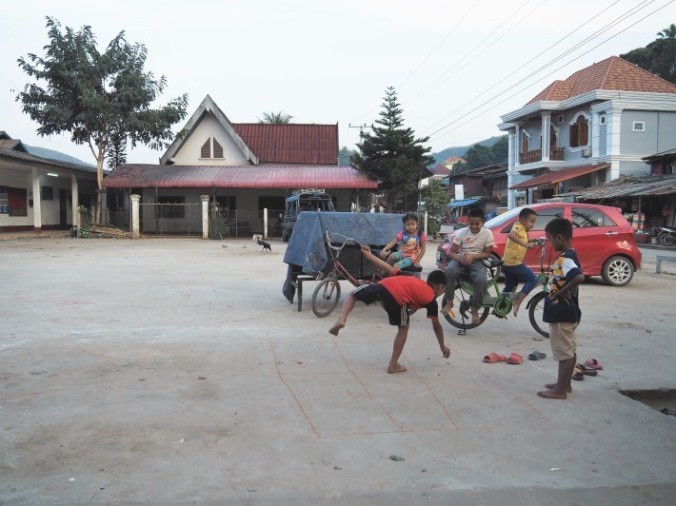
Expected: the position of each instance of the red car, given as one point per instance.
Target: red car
(603, 238)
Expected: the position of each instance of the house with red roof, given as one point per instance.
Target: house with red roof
(244, 168)
(593, 127)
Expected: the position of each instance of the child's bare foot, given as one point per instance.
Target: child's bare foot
(396, 368)
(552, 386)
(515, 307)
(336, 328)
(551, 394)
(448, 308)
(476, 319)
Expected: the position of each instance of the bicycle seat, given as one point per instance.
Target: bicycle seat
(412, 268)
(491, 262)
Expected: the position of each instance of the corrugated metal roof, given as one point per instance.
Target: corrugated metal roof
(613, 73)
(249, 176)
(630, 186)
(292, 143)
(559, 176)
(26, 157)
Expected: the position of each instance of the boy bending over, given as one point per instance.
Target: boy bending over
(400, 295)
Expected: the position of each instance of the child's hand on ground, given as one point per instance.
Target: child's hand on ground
(446, 351)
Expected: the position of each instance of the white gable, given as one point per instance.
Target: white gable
(190, 152)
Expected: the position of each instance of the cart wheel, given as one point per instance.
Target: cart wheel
(325, 297)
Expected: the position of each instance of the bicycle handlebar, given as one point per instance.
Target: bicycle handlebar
(327, 238)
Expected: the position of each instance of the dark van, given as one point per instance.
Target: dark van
(304, 200)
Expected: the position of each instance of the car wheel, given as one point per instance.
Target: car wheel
(617, 271)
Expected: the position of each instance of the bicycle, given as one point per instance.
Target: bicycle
(327, 293)
(500, 303)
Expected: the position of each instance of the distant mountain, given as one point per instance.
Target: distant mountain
(56, 155)
(461, 150)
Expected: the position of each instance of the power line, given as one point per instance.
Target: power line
(544, 77)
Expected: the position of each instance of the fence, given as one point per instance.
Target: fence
(170, 219)
(235, 224)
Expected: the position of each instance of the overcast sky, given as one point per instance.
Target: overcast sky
(457, 66)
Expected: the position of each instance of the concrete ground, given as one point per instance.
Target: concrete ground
(173, 371)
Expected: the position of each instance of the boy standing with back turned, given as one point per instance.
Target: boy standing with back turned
(562, 311)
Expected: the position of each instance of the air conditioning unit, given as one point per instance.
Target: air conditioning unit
(586, 152)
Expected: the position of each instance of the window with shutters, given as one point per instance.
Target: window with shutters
(206, 149)
(218, 149)
(579, 132)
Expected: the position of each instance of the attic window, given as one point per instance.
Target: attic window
(218, 149)
(206, 149)
(208, 152)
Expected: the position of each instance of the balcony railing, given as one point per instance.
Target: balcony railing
(536, 155)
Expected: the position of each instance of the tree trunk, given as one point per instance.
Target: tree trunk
(98, 212)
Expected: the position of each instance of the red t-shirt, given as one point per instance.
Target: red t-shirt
(412, 292)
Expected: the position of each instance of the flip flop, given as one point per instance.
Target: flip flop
(578, 375)
(493, 357)
(586, 370)
(593, 363)
(537, 355)
(514, 358)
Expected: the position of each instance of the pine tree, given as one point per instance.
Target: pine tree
(391, 154)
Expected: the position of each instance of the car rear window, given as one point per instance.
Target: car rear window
(585, 217)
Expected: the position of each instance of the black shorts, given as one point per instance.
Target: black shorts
(373, 292)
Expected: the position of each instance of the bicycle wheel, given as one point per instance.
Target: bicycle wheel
(325, 297)
(462, 309)
(536, 307)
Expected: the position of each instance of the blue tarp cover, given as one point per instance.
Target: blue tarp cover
(306, 246)
(461, 203)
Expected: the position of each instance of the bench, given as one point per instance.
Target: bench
(298, 285)
(661, 258)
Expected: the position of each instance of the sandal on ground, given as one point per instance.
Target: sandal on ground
(514, 358)
(537, 355)
(578, 375)
(493, 357)
(592, 362)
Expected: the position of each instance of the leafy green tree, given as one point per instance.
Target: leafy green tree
(392, 154)
(98, 97)
(499, 150)
(436, 199)
(344, 156)
(276, 118)
(658, 57)
(116, 152)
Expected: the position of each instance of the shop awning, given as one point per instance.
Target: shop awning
(463, 203)
(559, 176)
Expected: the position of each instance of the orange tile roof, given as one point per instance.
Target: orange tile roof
(613, 73)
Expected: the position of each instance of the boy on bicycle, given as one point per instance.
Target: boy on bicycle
(514, 269)
(470, 246)
(400, 296)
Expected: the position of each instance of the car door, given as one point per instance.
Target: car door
(595, 236)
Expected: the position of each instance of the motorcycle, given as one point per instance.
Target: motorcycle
(666, 236)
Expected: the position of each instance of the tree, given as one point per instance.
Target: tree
(100, 98)
(276, 118)
(392, 154)
(435, 197)
(480, 155)
(658, 57)
(344, 156)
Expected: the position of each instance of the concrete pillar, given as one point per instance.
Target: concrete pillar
(74, 202)
(510, 169)
(205, 216)
(37, 201)
(546, 122)
(265, 223)
(135, 223)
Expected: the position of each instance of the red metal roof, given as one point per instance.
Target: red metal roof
(559, 176)
(248, 176)
(613, 73)
(292, 143)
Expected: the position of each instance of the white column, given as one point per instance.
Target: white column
(74, 202)
(595, 134)
(510, 169)
(135, 228)
(205, 216)
(613, 148)
(517, 145)
(265, 223)
(546, 123)
(37, 201)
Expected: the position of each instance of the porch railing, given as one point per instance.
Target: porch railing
(535, 155)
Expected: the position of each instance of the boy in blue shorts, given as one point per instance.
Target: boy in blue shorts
(562, 310)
